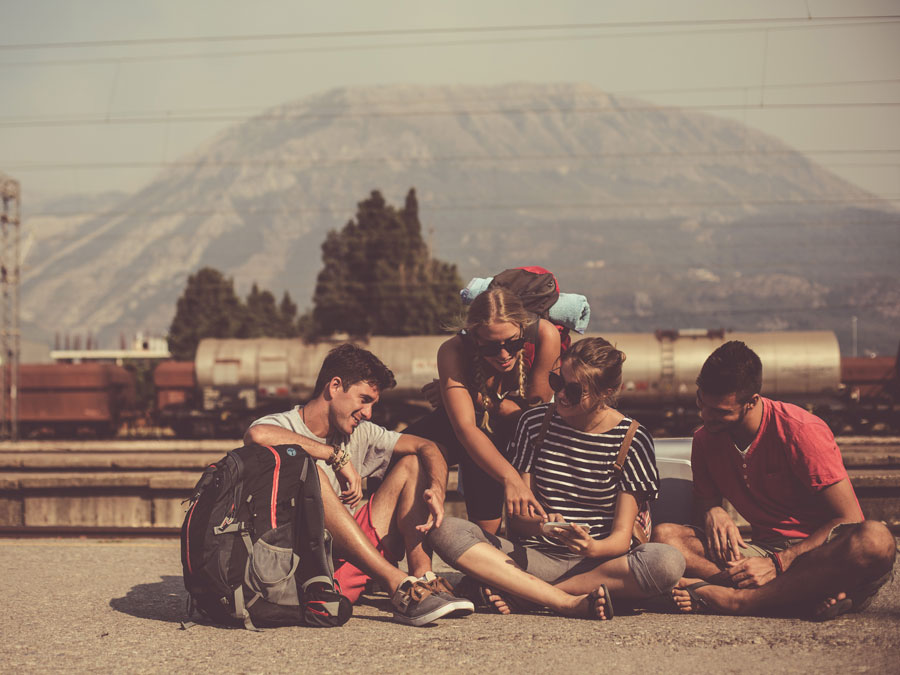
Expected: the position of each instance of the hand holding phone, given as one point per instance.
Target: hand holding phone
(550, 526)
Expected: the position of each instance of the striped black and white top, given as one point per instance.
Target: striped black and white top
(573, 472)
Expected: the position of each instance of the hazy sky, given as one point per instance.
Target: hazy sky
(85, 118)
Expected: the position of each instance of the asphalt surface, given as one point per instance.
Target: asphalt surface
(103, 606)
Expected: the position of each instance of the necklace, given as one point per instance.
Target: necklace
(600, 421)
(496, 382)
(739, 449)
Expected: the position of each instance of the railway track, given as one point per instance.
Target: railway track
(136, 488)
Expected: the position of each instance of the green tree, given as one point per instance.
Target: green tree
(378, 276)
(263, 318)
(288, 308)
(208, 307)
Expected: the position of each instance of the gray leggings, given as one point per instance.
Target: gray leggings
(655, 567)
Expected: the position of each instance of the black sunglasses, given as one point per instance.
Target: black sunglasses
(513, 346)
(573, 391)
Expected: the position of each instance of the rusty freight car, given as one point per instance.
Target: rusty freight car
(75, 399)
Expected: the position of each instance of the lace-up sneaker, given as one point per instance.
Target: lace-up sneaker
(416, 605)
(441, 588)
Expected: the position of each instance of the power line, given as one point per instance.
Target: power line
(754, 87)
(275, 117)
(189, 112)
(730, 310)
(428, 44)
(322, 163)
(536, 206)
(631, 224)
(797, 263)
(827, 20)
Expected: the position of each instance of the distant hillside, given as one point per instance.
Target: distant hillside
(664, 218)
(788, 271)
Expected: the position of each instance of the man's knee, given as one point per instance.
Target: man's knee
(873, 545)
(670, 533)
(406, 468)
(386, 510)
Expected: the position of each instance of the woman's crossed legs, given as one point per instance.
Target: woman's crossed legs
(570, 586)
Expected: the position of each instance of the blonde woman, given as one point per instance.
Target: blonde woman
(575, 560)
(490, 372)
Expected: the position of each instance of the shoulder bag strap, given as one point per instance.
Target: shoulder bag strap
(626, 446)
(637, 531)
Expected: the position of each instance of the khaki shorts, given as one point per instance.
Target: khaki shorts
(763, 549)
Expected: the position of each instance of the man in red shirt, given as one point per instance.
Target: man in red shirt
(811, 550)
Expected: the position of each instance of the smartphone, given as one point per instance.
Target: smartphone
(550, 526)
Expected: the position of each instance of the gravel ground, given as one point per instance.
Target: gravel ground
(105, 606)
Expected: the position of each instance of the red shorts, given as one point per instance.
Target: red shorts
(350, 579)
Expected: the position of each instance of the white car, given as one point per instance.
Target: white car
(673, 459)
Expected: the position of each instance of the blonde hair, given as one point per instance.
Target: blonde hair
(597, 365)
(497, 305)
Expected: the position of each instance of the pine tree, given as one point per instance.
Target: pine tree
(288, 310)
(208, 307)
(378, 276)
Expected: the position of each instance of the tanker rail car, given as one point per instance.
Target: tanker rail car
(233, 381)
(238, 380)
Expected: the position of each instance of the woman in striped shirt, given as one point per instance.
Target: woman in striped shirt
(574, 569)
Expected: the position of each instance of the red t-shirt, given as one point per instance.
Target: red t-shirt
(775, 485)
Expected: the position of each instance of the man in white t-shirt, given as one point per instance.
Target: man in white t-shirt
(333, 428)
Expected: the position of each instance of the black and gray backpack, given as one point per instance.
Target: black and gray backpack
(254, 547)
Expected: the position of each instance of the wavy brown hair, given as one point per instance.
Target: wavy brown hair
(597, 365)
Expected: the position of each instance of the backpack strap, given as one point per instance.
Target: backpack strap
(532, 331)
(240, 611)
(532, 335)
(545, 425)
(637, 530)
(626, 446)
(189, 611)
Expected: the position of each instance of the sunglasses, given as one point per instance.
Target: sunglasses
(573, 391)
(494, 348)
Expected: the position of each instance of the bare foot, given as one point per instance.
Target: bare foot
(832, 607)
(829, 602)
(601, 604)
(693, 595)
(498, 601)
(594, 605)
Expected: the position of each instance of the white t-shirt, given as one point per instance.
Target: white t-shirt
(370, 446)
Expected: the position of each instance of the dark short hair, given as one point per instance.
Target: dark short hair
(733, 368)
(353, 364)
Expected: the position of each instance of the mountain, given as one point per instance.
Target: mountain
(663, 217)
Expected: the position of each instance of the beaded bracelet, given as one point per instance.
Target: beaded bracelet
(336, 451)
(340, 463)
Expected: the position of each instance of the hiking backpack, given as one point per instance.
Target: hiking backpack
(254, 547)
(538, 290)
